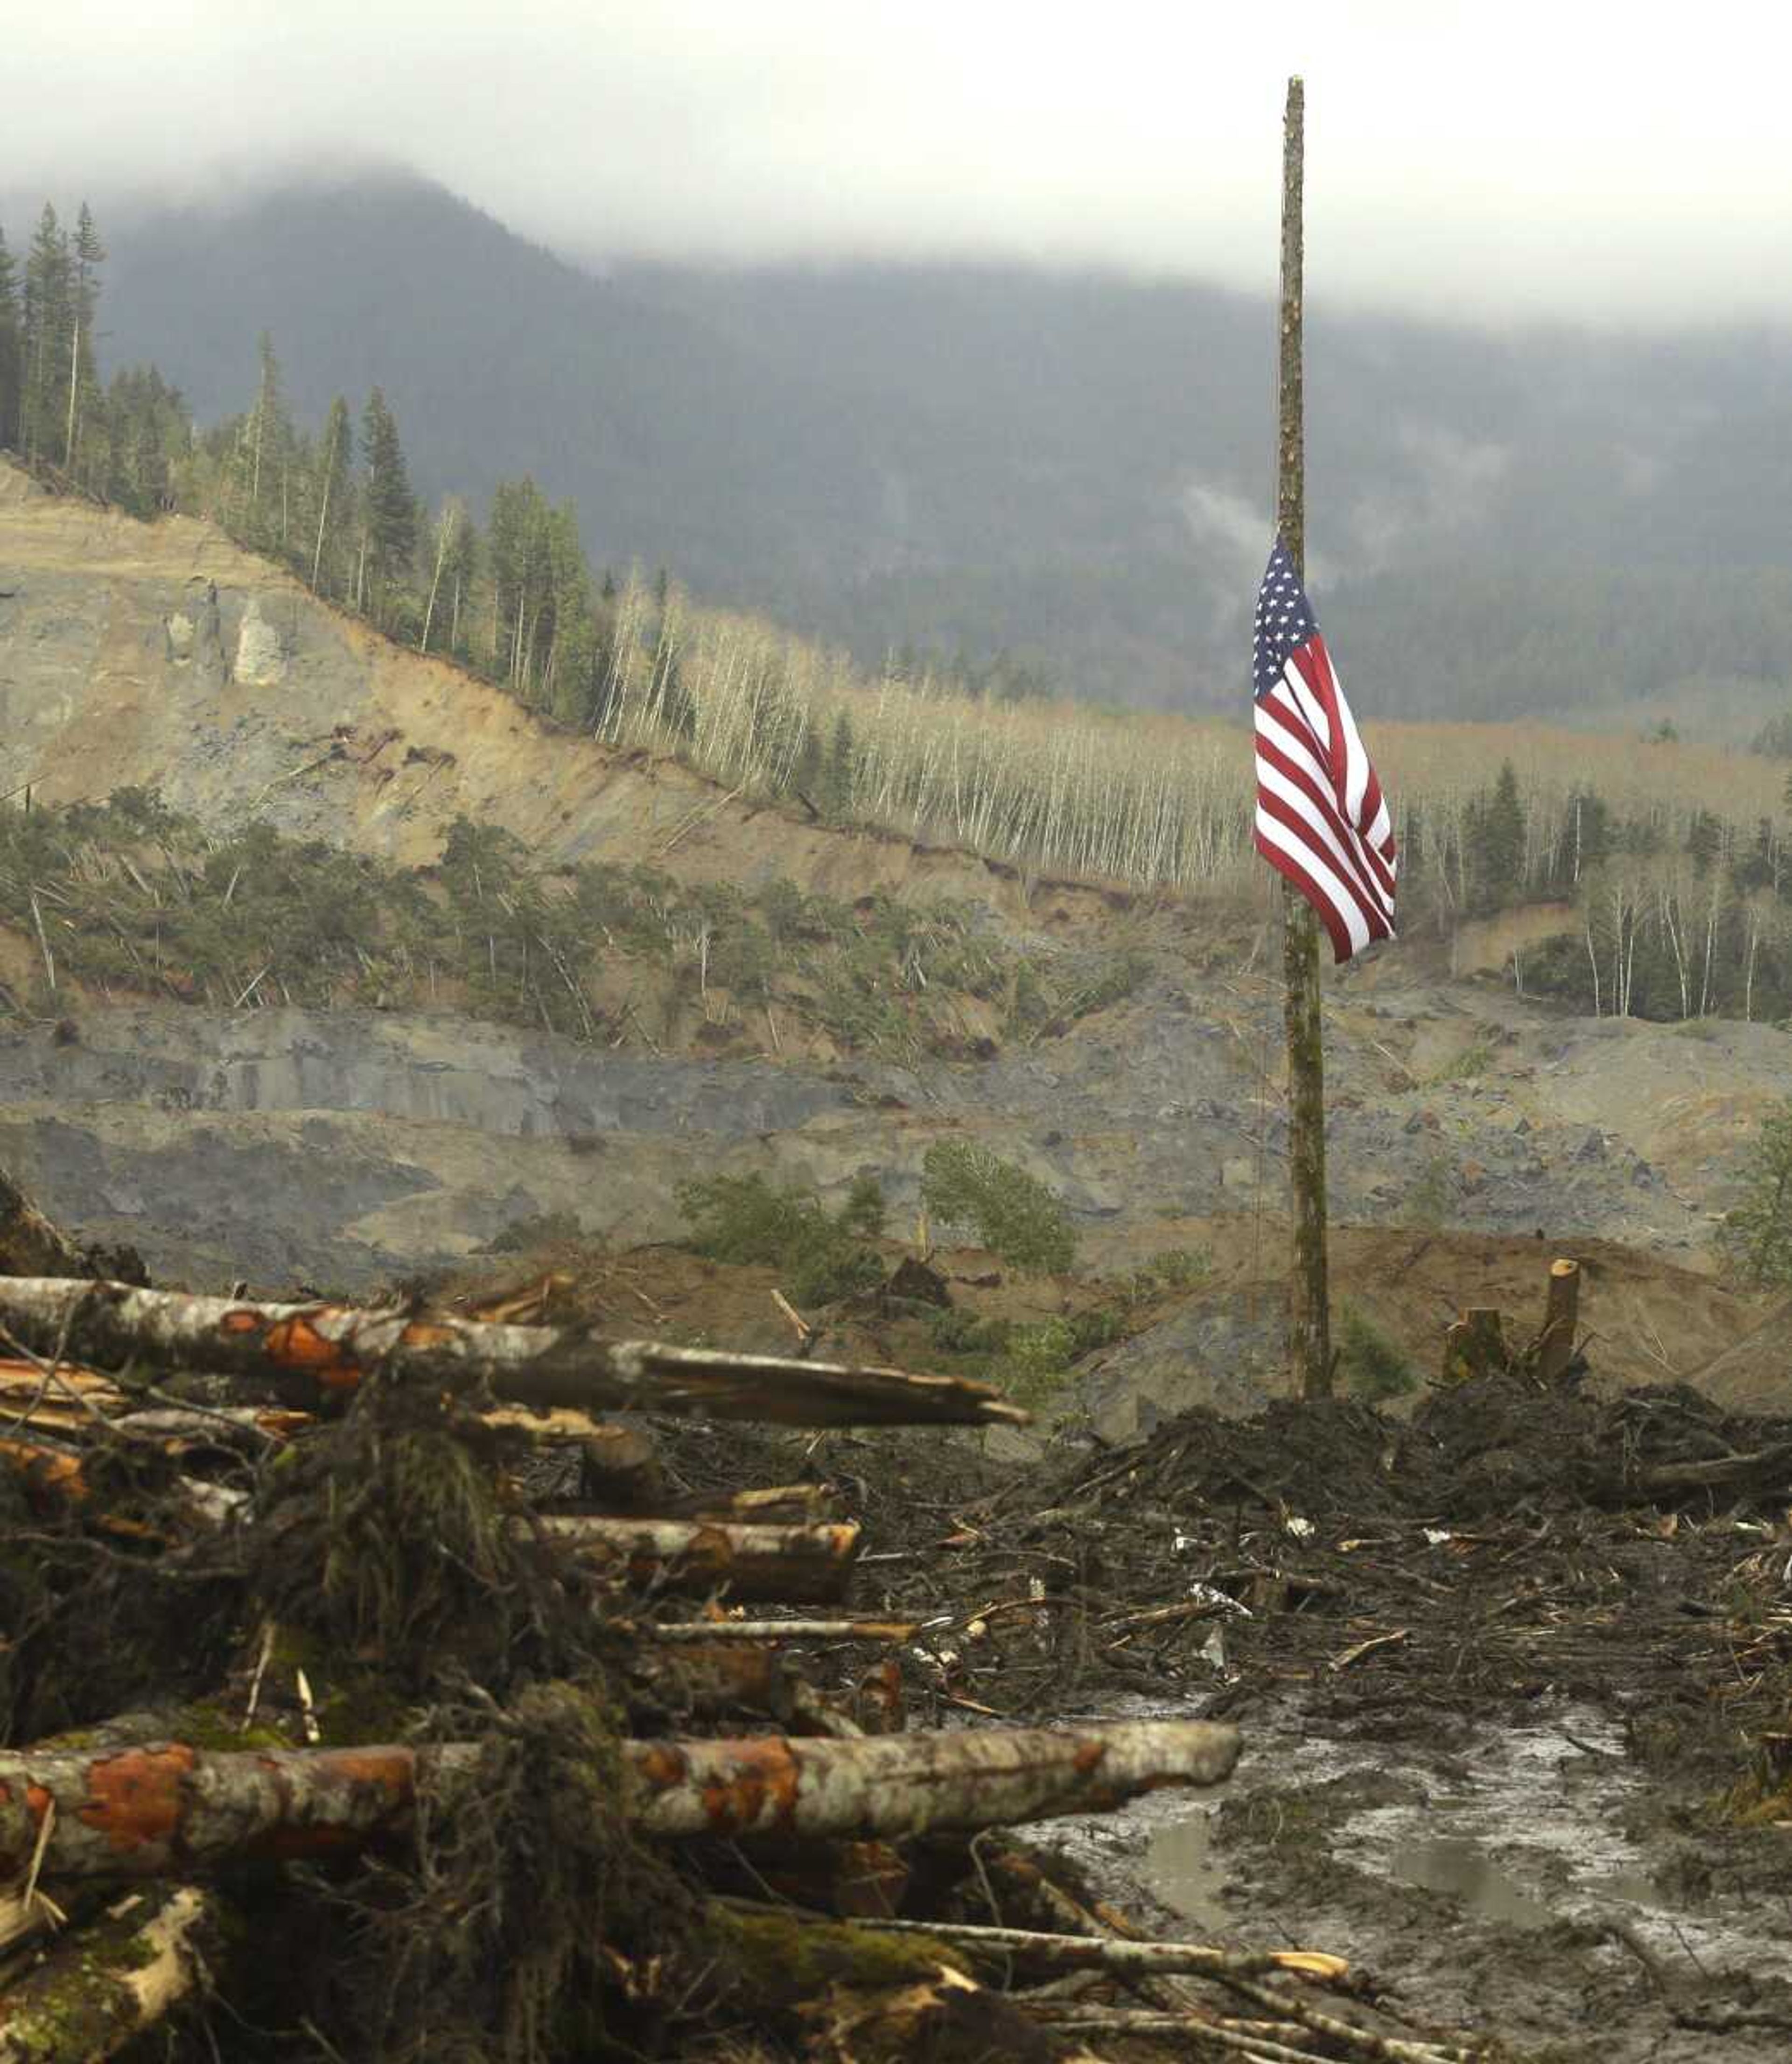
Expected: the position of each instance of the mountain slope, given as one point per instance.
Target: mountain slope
(1071, 465)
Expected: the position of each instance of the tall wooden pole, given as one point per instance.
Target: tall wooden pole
(1309, 1316)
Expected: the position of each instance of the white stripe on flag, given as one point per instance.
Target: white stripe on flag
(1312, 864)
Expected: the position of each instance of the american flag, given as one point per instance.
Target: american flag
(1321, 818)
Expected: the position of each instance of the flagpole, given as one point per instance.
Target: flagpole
(1309, 1317)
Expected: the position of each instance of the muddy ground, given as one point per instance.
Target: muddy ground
(1516, 1724)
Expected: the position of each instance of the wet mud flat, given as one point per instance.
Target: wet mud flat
(1516, 1683)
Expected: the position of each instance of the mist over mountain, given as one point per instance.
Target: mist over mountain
(1072, 466)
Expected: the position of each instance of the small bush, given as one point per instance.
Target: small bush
(1429, 1202)
(1370, 1362)
(1010, 1212)
(745, 1218)
(1755, 1239)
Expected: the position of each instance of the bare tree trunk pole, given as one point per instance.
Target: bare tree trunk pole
(1309, 1312)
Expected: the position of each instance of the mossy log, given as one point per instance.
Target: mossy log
(745, 1562)
(777, 1958)
(166, 1809)
(314, 1352)
(106, 1983)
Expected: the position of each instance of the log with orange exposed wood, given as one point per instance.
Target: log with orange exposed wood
(170, 1808)
(745, 1561)
(316, 1351)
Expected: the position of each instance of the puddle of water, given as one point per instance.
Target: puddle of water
(1179, 1869)
(1445, 1863)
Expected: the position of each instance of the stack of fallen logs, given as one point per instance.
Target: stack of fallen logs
(147, 1823)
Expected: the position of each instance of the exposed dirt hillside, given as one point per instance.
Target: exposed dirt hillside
(1470, 1131)
(162, 656)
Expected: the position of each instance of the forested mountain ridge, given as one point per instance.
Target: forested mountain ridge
(1072, 467)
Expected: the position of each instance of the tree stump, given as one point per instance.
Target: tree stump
(1475, 1345)
(1555, 1349)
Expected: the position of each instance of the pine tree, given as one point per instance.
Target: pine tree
(1500, 843)
(334, 491)
(89, 256)
(49, 322)
(388, 513)
(267, 456)
(11, 351)
(837, 775)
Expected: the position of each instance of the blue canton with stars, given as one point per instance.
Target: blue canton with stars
(1284, 621)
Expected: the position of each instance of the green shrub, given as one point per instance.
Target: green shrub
(1755, 1239)
(1370, 1362)
(1010, 1212)
(746, 1218)
(1035, 1361)
(1429, 1200)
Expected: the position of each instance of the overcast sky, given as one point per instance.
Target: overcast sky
(1523, 159)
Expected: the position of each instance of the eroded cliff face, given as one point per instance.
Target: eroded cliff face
(160, 655)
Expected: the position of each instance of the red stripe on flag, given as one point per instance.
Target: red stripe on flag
(1291, 821)
(1291, 870)
(1348, 861)
(1374, 868)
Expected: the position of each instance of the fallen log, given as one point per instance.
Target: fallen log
(895, 1632)
(104, 1985)
(746, 1562)
(1764, 1470)
(776, 1502)
(316, 1351)
(1121, 1956)
(160, 1809)
(1241, 1971)
(891, 1785)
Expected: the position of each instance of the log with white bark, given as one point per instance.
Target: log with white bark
(893, 1632)
(165, 1808)
(744, 1562)
(317, 1350)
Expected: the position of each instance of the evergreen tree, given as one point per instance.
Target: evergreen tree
(1500, 843)
(388, 513)
(267, 456)
(837, 775)
(12, 351)
(88, 255)
(48, 326)
(333, 493)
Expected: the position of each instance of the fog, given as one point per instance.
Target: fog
(1528, 161)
